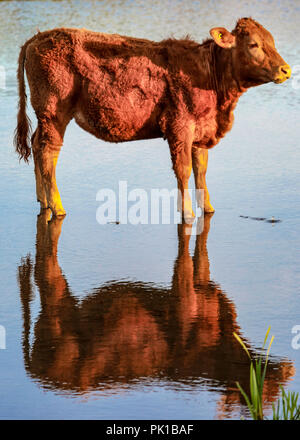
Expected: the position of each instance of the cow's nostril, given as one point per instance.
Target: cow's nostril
(286, 70)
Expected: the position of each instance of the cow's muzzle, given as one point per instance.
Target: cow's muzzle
(284, 73)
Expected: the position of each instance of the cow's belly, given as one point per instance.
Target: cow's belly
(125, 121)
(121, 107)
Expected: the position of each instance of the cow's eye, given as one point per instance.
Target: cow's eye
(252, 45)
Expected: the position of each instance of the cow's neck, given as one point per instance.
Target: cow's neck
(222, 75)
(226, 85)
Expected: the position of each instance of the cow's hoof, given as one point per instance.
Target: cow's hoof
(209, 209)
(188, 221)
(61, 213)
(45, 213)
(188, 217)
(44, 209)
(43, 205)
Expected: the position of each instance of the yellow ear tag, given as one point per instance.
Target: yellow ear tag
(220, 36)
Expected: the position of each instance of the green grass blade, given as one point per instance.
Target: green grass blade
(242, 344)
(287, 407)
(269, 348)
(254, 392)
(250, 407)
(259, 378)
(266, 337)
(267, 356)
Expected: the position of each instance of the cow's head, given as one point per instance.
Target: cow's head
(254, 56)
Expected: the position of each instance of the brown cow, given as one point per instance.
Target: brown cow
(122, 89)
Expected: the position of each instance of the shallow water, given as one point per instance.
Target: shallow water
(122, 321)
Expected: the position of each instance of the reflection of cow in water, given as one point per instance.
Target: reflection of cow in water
(124, 332)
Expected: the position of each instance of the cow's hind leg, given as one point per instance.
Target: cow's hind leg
(40, 189)
(47, 144)
(200, 159)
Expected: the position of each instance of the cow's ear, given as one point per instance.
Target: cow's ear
(222, 37)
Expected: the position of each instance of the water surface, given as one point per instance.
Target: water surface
(124, 321)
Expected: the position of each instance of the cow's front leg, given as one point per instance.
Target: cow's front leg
(180, 142)
(200, 158)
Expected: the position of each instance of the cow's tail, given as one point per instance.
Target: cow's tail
(23, 130)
